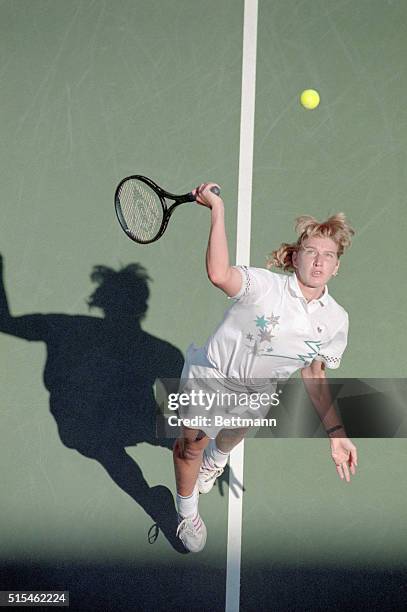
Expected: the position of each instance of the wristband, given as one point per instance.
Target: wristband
(332, 429)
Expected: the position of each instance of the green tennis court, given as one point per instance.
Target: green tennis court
(94, 91)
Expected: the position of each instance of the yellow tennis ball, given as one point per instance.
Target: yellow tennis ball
(310, 99)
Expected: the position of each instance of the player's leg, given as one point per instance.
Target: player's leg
(227, 439)
(188, 451)
(215, 456)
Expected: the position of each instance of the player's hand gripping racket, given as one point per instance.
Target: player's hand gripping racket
(142, 209)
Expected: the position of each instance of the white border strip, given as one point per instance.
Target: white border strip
(244, 207)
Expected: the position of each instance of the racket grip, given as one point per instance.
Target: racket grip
(190, 197)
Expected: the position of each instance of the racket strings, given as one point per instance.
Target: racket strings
(141, 209)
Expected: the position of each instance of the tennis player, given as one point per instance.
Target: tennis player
(277, 325)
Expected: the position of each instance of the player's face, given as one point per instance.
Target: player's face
(316, 261)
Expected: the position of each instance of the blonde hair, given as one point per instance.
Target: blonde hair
(336, 227)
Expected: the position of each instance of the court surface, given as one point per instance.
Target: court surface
(93, 92)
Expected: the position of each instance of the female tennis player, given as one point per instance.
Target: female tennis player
(278, 324)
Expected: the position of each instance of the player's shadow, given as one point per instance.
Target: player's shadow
(100, 374)
(228, 480)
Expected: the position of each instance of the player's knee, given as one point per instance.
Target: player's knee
(177, 449)
(191, 450)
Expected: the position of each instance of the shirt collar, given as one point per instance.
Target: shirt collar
(295, 290)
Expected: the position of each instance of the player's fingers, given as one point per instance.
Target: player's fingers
(339, 470)
(354, 456)
(201, 194)
(346, 470)
(197, 194)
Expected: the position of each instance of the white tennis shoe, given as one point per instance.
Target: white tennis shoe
(207, 477)
(192, 533)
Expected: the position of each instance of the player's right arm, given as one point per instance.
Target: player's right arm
(220, 272)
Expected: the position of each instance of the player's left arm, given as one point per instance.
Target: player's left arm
(343, 451)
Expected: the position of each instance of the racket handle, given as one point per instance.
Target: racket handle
(215, 190)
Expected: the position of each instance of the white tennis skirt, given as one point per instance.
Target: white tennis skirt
(212, 402)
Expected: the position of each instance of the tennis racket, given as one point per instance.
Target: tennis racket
(142, 209)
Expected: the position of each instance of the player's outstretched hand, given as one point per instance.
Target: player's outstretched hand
(345, 457)
(205, 196)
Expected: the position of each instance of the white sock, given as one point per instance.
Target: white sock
(213, 457)
(188, 506)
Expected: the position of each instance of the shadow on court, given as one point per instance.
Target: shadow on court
(266, 587)
(100, 374)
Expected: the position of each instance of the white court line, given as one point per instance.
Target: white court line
(244, 207)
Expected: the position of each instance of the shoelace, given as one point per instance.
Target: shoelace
(212, 472)
(186, 526)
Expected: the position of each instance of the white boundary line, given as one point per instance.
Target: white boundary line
(242, 257)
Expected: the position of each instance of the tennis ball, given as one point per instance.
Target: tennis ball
(310, 99)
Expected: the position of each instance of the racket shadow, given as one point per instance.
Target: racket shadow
(100, 373)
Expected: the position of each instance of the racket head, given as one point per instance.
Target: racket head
(140, 208)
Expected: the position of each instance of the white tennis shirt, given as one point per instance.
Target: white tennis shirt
(270, 331)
